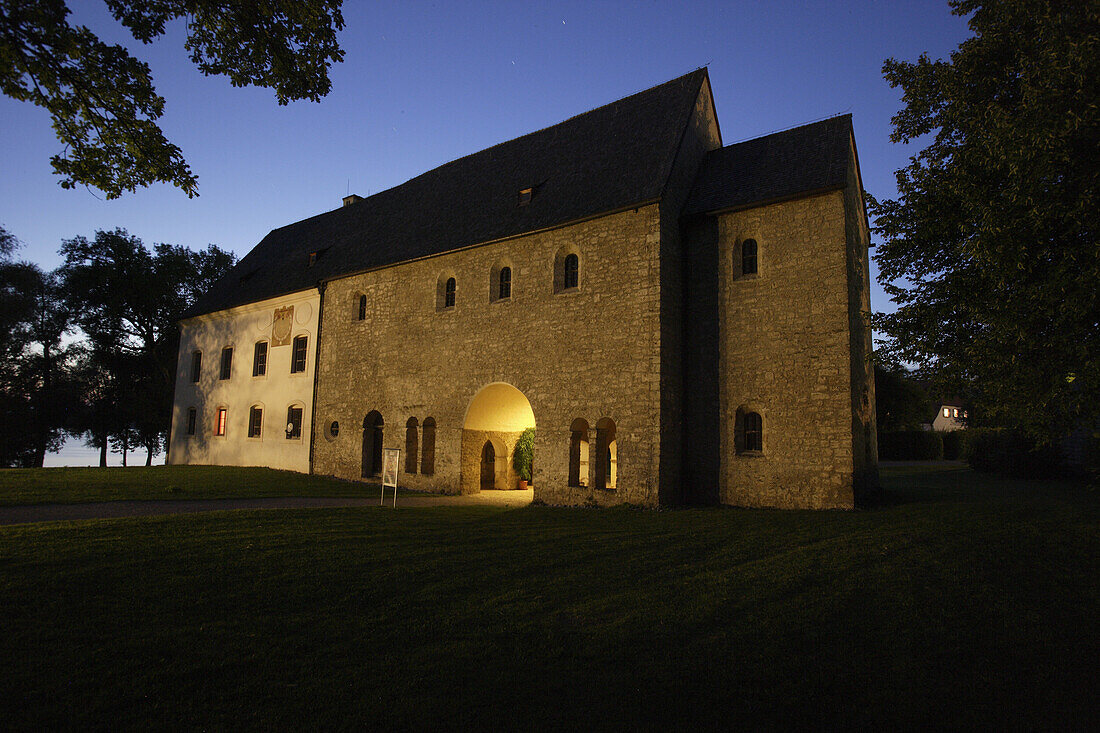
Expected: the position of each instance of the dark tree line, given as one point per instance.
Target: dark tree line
(89, 349)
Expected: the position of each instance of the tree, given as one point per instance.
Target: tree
(128, 301)
(901, 402)
(36, 390)
(102, 101)
(990, 250)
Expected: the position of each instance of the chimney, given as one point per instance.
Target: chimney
(352, 199)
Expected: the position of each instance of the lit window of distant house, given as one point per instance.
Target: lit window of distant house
(227, 362)
(947, 412)
(192, 418)
(255, 421)
(298, 362)
(219, 428)
(196, 365)
(964, 414)
(259, 359)
(955, 412)
(748, 257)
(293, 423)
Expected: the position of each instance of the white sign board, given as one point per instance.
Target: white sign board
(391, 459)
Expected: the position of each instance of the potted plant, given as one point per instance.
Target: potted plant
(524, 456)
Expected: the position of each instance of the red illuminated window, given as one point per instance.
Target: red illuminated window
(219, 429)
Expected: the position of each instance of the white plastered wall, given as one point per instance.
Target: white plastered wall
(277, 390)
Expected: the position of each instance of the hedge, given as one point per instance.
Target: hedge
(954, 445)
(910, 445)
(1010, 453)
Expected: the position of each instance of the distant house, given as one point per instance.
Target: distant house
(950, 415)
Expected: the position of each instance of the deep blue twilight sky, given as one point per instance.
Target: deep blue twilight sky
(423, 83)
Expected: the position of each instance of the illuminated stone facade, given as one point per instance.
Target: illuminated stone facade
(653, 369)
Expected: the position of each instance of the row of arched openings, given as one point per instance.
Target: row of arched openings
(604, 474)
(416, 450)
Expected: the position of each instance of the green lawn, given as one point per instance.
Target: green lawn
(959, 601)
(75, 485)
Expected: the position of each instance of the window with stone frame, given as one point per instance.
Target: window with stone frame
(749, 252)
(504, 289)
(572, 270)
(255, 421)
(293, 422)
(411, 440)
(227, 363)
(754, 433)
(220, 425)
(259, 359)
(301, 349)
(427, 452)
(449, 293)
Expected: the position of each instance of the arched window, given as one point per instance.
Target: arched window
(449, 293)
(606, 452)
(750, 431)
(504, 289)
(572, 269)
(362, 307)
(748, 257)
(578, 452)
(372, 444)
(427, 455)
(410, 445)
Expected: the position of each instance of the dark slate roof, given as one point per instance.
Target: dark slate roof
(812, 157)
(610, 158)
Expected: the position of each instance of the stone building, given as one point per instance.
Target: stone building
(681, 322)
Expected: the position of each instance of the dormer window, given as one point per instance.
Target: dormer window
(525, 195)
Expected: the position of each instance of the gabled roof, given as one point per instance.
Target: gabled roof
(611, 158)
(801, 160)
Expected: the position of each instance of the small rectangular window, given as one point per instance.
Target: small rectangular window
(259, 360)
(301, 346)
(946, 412)
(196, 365)
(219, 429)
(192, 418)
(293, 423)
(525, 195)
(227, 362)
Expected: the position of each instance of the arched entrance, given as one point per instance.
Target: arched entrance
(496, 418)
(372, 444)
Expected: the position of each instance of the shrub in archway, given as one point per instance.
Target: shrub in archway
(524, 454)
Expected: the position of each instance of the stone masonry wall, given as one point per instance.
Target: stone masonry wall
(864, 430)
(589, 353)
(785, 354)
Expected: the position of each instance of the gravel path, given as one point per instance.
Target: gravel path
(107, 509)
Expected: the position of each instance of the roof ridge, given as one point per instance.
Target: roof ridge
(555, 124)
(781, 131)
